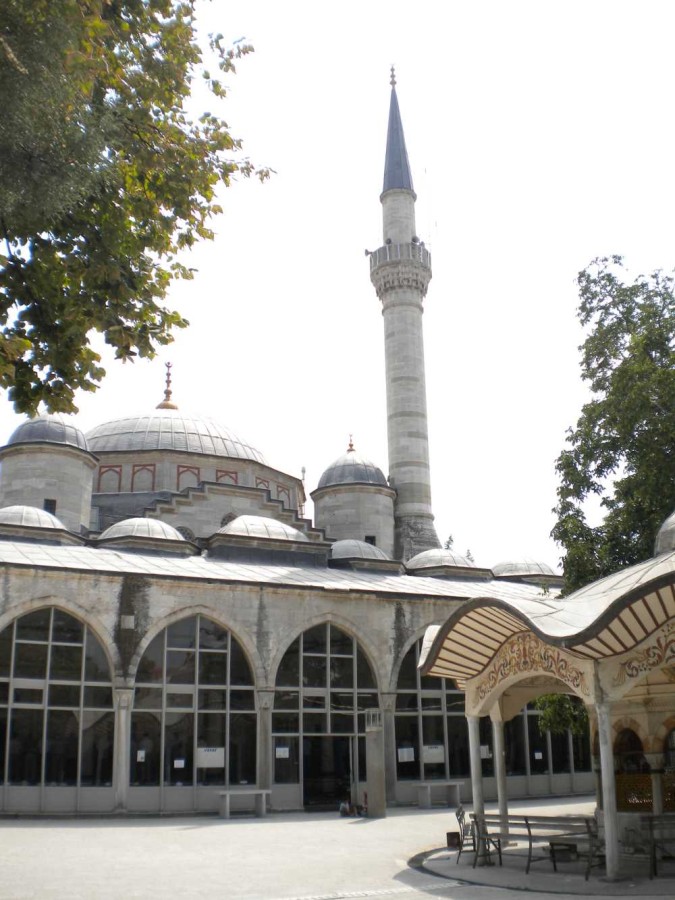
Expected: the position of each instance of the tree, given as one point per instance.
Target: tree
(622, 449)
(104, 179)
(559, 713)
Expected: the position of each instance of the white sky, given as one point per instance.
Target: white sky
(540, 136)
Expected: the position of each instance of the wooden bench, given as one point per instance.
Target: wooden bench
(453, 789)
(577, 834)
(260, 798)
(660, 834)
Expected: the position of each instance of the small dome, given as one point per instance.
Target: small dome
(262, 527)
(522, 568)
(52, 429)
(351, 549)
(352, 468)
(665, 537)
(169, 429)
(142, 528)
(29, 517)
(431, 559)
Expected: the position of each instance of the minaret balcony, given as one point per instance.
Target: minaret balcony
(391, 253)
(397, 266)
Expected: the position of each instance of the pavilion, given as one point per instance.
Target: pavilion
(612, 645)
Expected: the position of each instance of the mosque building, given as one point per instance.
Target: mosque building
(173, 626)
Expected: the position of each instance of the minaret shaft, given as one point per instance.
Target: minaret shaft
(400, 271)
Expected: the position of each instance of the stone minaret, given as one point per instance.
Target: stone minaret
(400, 271)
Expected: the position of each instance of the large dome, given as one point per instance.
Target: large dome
(352, 468)
(51, 429)
(169, 429)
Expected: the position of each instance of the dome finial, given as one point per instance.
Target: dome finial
(166, 402)
(392, 80)
(350, 448)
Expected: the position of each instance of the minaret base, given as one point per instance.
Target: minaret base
(413, 535)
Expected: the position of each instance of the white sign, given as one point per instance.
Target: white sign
(433, 753)
(210, 757)
(140, 756)
(282, 752)
(538, 754)
(485, 751)
(406, 754)
(179, 763)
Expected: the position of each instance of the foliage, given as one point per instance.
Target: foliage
(622, 449)
(560, 712)
(104, 179)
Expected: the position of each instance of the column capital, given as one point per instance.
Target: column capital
(123, 697)
(265, 698)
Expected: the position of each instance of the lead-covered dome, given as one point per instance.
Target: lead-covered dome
(169, 429)
(262, 527)
(432, 559)
(50, 429)
(521, 568)
(665, 537)
(353, 549)
(352, 468)
(29, 517)
(143, 528)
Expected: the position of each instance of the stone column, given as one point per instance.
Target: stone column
(265, 704)
(473, 723)
(500, 770)
(388, 701)
(123, 703)
(608, 790)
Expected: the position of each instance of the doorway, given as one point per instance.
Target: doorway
(327, 771)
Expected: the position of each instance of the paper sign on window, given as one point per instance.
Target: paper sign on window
(210, 757)
(406, 754)
(433, 753)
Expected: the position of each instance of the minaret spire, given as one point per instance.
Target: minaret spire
(396, 165)
(400, 271)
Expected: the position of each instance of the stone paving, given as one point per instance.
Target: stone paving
(296, 856)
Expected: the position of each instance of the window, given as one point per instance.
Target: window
(57, 724)
(324, 685)
(194, 719)
(431, 734)
(49, 506)
(371, 539)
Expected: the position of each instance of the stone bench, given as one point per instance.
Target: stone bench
(452, 788)
(260, 798)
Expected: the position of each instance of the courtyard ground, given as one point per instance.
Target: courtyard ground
(293, 856)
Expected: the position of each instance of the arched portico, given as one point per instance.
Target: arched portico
(612, 644)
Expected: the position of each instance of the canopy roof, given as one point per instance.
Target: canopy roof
(604, 619)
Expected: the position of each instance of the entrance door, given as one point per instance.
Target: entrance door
(327, 771)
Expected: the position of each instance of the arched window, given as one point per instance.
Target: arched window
(628, 753)
(431, 733)
(57, 726)
(194, 719)
(669, 751)
(323, 686)
(432, 738)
